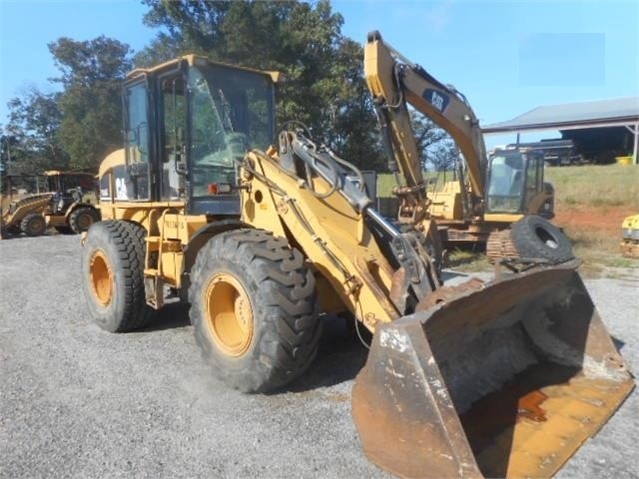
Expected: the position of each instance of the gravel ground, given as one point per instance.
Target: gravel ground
(76, 401)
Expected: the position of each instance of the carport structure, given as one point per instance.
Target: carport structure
(614, 121)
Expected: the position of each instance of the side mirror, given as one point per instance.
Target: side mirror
(180, 167)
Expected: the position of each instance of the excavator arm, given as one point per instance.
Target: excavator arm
(396, 82)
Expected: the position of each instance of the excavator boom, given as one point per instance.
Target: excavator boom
(488, 195)
(395, 82)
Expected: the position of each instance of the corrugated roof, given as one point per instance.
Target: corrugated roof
(589, 113)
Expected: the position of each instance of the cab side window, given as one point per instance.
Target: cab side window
(137, 144)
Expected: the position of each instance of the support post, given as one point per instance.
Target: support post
(635, 132)
(634, 149)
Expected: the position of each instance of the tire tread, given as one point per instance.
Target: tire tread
(282, 289)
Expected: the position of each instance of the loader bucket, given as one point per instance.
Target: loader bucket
(507, 379)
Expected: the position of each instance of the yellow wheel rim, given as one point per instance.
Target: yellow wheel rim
(101, 278)
(229, 314)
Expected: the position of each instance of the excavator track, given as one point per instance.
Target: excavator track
(500, 245)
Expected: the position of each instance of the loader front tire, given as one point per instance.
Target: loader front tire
(82, 218)
(536, 237)
(253, 310)
(33, 224)
(113, 276)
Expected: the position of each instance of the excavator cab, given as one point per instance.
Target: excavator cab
(516, 184)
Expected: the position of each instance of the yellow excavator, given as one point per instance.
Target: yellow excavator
(500, 378)
(489, 194)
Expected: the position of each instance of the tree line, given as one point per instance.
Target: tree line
(77, 126)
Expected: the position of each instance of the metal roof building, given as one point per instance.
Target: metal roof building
(617, 112)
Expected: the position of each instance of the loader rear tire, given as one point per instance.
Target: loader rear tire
(33, 224)
(536, 237)
(82, 218)
(113, 273)
(253, 310)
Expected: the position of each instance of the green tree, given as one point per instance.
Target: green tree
(91, 75)
(30, 139)
(324, 85)
(436, 147)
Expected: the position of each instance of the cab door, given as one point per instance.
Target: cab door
(134, 184)
(534, 183)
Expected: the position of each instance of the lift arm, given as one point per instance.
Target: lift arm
(394, 82)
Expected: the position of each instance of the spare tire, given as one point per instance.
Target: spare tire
(537, 238)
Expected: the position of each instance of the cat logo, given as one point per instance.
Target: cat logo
(436, 98)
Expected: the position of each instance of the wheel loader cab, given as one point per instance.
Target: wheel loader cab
(515, 181)
(70, 188)
(186, 125)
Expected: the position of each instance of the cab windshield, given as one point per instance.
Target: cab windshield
(66, 183)
(506, 183)
(231, 113)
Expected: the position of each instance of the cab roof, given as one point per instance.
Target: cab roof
(67, 173)
(195, 60)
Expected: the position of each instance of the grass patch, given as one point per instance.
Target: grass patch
(468, 261)
(598, 249)
(595, 185)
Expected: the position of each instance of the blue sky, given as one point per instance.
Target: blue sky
(507, 57)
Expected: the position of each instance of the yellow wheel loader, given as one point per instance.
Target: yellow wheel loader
(74, 204)
(488, 194)
(500, 378)
(68, 204)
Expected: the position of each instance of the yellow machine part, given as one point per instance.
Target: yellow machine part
(19, 209)
(630, 237)
(447, 203)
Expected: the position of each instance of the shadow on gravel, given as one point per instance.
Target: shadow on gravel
(5, 237)
(448, 275)
(340, 357)
(171, 316)
(619, 344)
